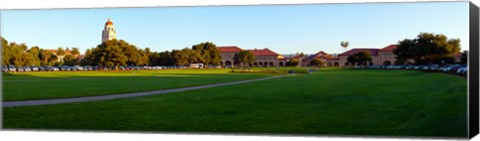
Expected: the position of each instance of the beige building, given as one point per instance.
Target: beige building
(227, 53)
(263, 57)
(383, 56)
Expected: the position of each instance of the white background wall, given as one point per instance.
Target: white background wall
(96, 136)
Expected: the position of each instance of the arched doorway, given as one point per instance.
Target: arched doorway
(228, 64)
(347, 64)
(387, 63)
(370, 64)
(271, 64)
(336, 64)
(265, 64)
(255, 64)
(280, 64)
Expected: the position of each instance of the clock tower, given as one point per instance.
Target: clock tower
(109, 32)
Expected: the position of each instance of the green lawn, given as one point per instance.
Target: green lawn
(327, 102)
(47, 85)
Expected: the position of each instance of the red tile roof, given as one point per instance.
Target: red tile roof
(229, 49)
(373, 52)
(389, 48)
(320, 54)
(263, 52)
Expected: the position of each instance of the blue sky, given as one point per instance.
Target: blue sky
(282, 28)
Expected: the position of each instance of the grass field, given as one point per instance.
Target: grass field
(47, 85)
(327, 102)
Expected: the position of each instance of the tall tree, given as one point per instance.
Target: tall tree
(360, 58)
(110, 53)
(60, 51)
(244, 57)
(293, 62)
(45, 57)
(209, 54)
(35, 53)
(6, 52)
(317, 62)
(88, 59)
(70, 60)
(75, 52)
(427, 48)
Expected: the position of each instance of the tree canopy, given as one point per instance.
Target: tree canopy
(317, 62)
(244, 57)
(360, 58)
(208, 53)
(427, 48)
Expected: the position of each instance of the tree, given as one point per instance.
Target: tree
(317, 62)
(166, 59)
(208, 52)
(344, 44)
(88, 58)
(181, 57)
(75, 52)
(70, 60)
(244, 57)
(154, 58)
(111, 53)
(6, 52)
(60, 51)
(427, 48)
(360, 58)
(45, 57)
(292, 62)
(35, 53)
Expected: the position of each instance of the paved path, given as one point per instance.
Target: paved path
(127, 95)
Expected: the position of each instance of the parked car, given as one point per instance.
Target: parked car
(65, 68)
(20, 69)
(12, 68)
(27, 69)
(89, 68)
(42, 68)
(34, 68)
(4, 69)
(53, 69)
(462, 70)
(77, 68)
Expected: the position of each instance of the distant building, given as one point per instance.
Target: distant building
(263, 57)
(59, 57)
(267, 58)
(227, 53)
(109, 32)
(383, 56)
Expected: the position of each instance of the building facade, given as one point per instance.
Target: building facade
(383, 56)
(267, 58)
(263, 57)
(109, 32)
(227, 53)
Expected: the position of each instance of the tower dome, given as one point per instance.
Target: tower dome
(109, 22)
(109, 32)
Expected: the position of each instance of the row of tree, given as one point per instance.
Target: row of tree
(109, 53)
(425, 49)
(21, 55)
(120, 53)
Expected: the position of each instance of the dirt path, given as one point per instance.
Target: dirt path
(127, 95)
